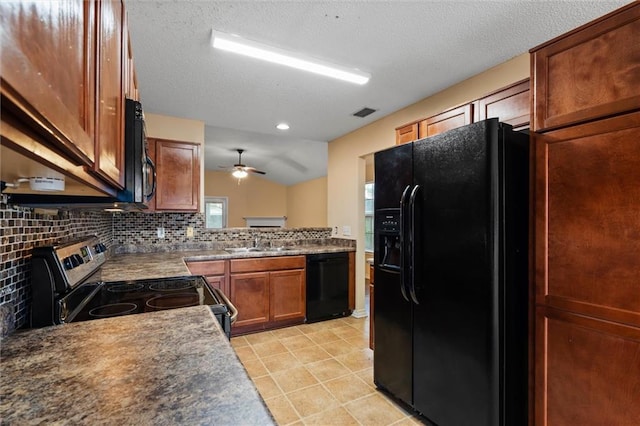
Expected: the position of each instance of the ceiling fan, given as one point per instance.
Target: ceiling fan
(240, 170)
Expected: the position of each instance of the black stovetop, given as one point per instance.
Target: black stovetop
(106, 299)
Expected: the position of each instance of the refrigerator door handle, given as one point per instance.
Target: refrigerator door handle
(412, 236)
(403, 242)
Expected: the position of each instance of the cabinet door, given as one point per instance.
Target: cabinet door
(510, 105)
(178, 175)
(110, 108)
(48, 64)
(218, 282)
(130, 81)
(288, 297)
(587, 371)
(587, 228)
(447, 120)
(249, 293)
(408, 133)
(589, 73)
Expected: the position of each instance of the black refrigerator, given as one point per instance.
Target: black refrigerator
(450, 258)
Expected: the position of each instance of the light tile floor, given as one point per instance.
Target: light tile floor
(319, 374)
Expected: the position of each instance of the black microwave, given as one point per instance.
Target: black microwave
(139, 174)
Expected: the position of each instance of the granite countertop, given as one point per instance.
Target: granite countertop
(137, 266)
(125, 371)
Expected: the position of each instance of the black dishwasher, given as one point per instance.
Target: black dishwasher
(327, 286)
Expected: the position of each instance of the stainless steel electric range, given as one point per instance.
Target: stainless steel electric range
(65, 289)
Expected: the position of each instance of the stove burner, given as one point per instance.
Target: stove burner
(171, 285)
(180, 300)
(113, 310)
(123, 288)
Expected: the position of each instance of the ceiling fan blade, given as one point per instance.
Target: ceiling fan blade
(254, 170)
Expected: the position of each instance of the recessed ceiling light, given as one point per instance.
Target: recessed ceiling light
(236, 44)
(282, 126)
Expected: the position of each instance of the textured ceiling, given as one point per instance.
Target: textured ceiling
(411, 48)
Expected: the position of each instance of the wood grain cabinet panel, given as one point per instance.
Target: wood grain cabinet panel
(590, 73)
(178, 175)
(216, 272)
(48, 70)
(511, 105)
(250, 295)
(109, 162)
(288, 296)
(586, 225)
(578, 382)
(283, 301)
(451, 119)
(591, 234)
(407, 133)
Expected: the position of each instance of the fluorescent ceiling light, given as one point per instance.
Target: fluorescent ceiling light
(282, 126)
(236, 44)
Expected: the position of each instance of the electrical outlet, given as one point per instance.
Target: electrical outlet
(335, 230)
(160, 232)
(346, 230)
(189, 231)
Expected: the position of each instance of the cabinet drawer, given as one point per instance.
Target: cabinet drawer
(591, 73)
(267, 264)
(207, 267)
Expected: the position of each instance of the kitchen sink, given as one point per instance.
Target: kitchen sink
(242, 249)
(256, 249)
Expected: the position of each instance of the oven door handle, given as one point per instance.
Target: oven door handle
(232, 309)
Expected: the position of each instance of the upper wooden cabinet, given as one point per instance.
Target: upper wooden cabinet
(511, 105)
(62, 78)
(431, 126)
(407, 133)
(109, 162)
(178, 175)
(587, 74)
(130, 78)
(447, 120)
(48, 65)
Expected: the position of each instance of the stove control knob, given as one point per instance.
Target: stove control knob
(100, 248)
(78, 258)
(67, 263)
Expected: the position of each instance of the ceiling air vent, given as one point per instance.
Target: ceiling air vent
(364, 112)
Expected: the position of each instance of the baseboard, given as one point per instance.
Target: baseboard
(359, 313)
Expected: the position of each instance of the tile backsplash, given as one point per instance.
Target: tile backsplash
(137, 232)
(21, 229)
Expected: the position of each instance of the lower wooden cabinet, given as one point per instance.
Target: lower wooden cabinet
(586, 370)
(268, 292)
(216, 272)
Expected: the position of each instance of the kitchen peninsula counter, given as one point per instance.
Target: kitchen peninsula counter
(169, 367)
(136, 266)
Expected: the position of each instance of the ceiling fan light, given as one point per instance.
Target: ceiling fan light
(235, 44)
(240, 174)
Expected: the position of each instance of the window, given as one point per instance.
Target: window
(368, 216)
(215, 212)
